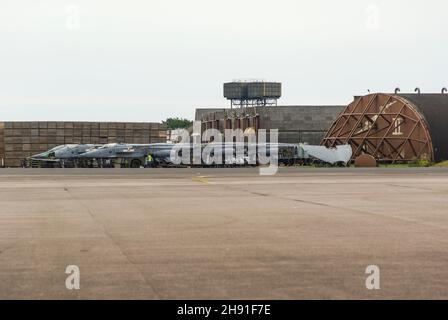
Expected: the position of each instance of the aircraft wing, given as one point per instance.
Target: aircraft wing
(342, 153)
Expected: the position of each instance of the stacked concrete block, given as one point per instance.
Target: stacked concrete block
(300, 124)
(19, 140)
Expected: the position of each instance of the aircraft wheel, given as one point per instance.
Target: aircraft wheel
(136, 163)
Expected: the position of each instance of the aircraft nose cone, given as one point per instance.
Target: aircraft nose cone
(40, 155)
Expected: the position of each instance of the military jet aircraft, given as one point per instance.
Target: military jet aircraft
(67, 151)
(62, 155)
(133, 153)
(169, 154)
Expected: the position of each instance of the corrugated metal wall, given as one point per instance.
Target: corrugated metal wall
(19, 140)
(258, 90)
(252, 90)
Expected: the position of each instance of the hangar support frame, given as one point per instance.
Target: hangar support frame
(387, 127)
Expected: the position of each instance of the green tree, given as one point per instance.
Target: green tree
(178, 123)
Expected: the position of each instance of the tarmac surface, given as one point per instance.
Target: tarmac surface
(224, 233)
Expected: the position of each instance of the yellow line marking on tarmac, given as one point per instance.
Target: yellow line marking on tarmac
(202, 179)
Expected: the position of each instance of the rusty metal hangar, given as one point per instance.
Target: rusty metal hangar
(394, 127)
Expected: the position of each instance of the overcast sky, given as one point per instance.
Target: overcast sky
(146, 60)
